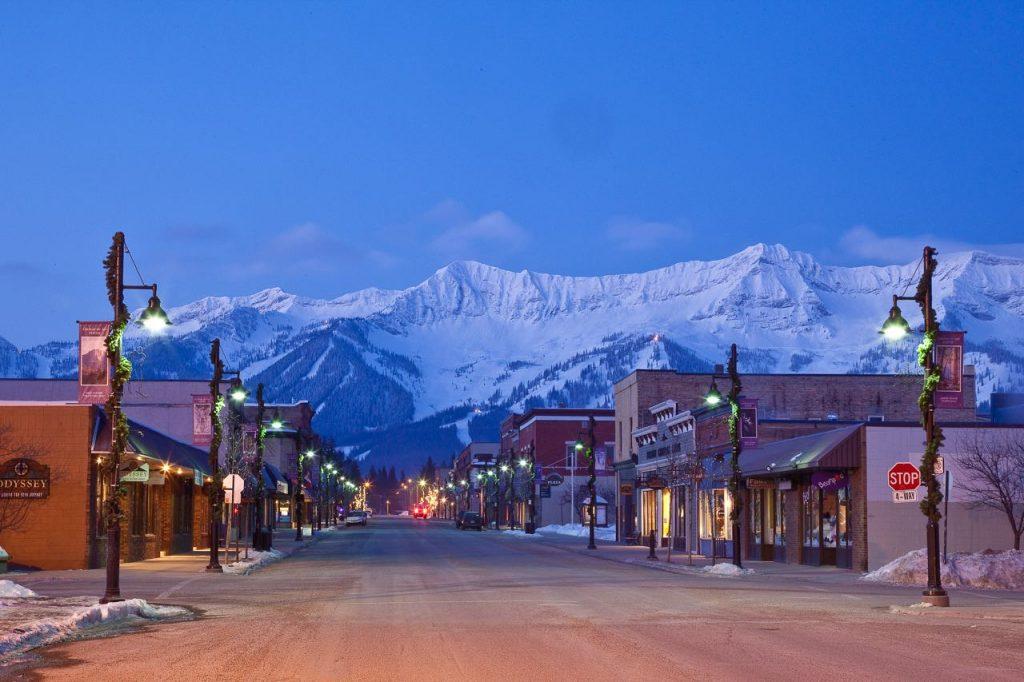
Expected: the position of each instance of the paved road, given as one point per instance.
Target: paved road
(411, 600)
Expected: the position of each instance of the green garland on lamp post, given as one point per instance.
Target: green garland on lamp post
(215, 488)
(737, 447)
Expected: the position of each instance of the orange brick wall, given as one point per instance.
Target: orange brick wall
(56, 533)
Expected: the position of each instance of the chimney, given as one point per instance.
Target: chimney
(719, 369)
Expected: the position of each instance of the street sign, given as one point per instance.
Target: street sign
(940, 466)
(904, 477)
(904, 496)
(554, 480)
(233, 485)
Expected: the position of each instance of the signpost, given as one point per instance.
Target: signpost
(904, 479)
(233, 486)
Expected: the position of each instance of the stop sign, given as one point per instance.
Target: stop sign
(904, 476)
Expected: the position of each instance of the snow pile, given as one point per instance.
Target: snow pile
(519, 534)
(579, 531)
(912, 609)
(255, 560)
(726, 569)
(12, 590)
(988, 569)
(50, 630)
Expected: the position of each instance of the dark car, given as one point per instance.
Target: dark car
(468, 519)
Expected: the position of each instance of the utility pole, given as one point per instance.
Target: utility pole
(215, 489)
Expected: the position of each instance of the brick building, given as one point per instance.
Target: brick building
(59, 448)
(551, 435)
(788, 406)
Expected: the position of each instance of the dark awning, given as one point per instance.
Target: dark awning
(148, 442)
(833, 449)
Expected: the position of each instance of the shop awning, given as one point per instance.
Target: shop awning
(148, 442)
(833, 449)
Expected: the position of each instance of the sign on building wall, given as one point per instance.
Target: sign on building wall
(23, 478)
(949, 359)
(93, 364)
(828, 481)
(748, 422)
(202, 425)
(138, 475)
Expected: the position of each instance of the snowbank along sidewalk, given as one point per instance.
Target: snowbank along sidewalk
(989, 570)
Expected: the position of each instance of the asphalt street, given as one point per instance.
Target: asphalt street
(415, 600)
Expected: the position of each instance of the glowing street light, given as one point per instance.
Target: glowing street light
(153, 319)
(713, 397)
(896, 326)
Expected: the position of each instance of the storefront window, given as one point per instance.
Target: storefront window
(680, 502)
(844, 538)
(756, 516)
(666, 512)
(137, 501)
(648, 511)
(102, 491)
(812, 518)
(780, 518)
(829, 514)
(715, 506)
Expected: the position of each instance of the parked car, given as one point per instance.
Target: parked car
(356, 518)
(469, 519)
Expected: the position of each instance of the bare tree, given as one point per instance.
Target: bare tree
(679, 469)
(993, 474)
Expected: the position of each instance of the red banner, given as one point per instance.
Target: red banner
(949, 359)
(93, 364)
(748, 422)
(202, 425)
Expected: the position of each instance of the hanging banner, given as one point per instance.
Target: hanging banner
(93, 364)
(949, 359)
(248, 441)
(600, 458)
(202, 425)
(748, 422)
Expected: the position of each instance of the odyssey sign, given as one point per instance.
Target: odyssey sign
(25, 479)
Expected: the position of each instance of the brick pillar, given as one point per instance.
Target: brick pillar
(859, 513)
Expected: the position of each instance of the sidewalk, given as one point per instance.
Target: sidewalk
(153, 579)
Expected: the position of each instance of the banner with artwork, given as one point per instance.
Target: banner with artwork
(202, 425)
(248, 441)
(93, 365)
(748, 422)
(949, 359)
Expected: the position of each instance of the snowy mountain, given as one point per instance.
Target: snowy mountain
(398, 375)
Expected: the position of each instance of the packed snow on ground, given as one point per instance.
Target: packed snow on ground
(726, 569)
(13, 590)
(255, 560)
(51, 630)
(579, 531)
(988, 569)
(519, 534)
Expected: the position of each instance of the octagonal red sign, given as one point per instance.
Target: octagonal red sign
(904, 476)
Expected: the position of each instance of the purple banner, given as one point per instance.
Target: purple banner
(748, 422)
(949, 359)
(828, 481)
(202, 425)
(93, 363)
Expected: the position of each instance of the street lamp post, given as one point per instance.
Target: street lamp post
(215, 491)
(591, 481)
(153, 319)
(299, 474)
(894, 329)
(714, 398)
(261, 538)
(532, 502)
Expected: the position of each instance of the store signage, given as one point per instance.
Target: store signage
(904, 477)
(554, 480)
(655, 481)
(948, 355)
(282, 488)
(626, 489)
(748, 422)
(197, 477)
(138, 475)
(829, 481)
(202, 424)
(759, 484)
(545, 490)
(93, 364)
(24, 479)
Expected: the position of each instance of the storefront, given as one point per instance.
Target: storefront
(802, 500)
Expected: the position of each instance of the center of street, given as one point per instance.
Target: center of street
(405, 599)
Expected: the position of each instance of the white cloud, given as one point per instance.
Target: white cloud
(463, 235)
(864, 243)
(635, 234)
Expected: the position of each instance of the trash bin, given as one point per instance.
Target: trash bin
(530, 527)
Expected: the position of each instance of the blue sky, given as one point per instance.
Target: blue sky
(324, 147)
